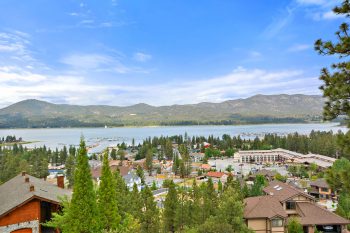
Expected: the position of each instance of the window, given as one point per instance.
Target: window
(324, 189)
(277, 222)
(290, 205)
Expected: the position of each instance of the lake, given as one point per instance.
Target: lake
(111, 136)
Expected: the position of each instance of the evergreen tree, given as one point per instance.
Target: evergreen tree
(107, 198)
(209, 199)
(81, 214)
(140, 173)
(149, 161)
(336, 87)
(294, 226)
(257, 188)
(170, 206)
(70, 167)
(195, 208)
(230, 210)
(220, 188)
(136, 203)
(343, 208)
(150, 214)
(122, 192)
(114, 154)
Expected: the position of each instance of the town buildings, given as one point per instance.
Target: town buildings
(283, 156)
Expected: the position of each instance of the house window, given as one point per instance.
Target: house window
(277, 222)
(324, 189)
(290, 205)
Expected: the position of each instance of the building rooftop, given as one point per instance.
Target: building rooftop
(215, 174)
(17, 191)
(313, 214)
(263, 207)
(283, 191)
(321, 183)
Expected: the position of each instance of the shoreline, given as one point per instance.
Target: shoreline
(337, 124)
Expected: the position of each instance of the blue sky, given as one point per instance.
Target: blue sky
(160, 52)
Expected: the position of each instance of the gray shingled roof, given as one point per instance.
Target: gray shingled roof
(322, 183)
(16, 192)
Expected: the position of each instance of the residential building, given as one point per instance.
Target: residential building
(216, 176)
(26, 202)
(320, 190)
(268, 174)
(127, 173)
(270, 213)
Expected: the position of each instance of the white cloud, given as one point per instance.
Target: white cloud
(279, 23)
(15, 50)
(255, 54)
(328, 15)
(86, 61)
(142, 57)
(79, 90)
(311, 2)
(99, 63)
(320, 9)
(299, 47)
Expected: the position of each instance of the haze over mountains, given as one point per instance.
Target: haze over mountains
(256, 109)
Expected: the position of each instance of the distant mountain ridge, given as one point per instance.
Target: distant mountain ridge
(256, 109)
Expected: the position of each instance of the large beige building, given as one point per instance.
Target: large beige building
(270, 213)
(282, 155)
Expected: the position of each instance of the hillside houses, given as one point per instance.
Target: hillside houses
(270, 213)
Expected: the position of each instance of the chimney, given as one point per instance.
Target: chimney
(31, 188)
(60, 181)
(23, 173)
(26, 179)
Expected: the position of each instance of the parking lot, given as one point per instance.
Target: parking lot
(222, 164)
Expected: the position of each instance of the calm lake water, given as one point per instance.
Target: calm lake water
(102, 137)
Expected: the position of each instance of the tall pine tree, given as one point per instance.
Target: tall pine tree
(107, 198)
(170, 206)
(81, 214)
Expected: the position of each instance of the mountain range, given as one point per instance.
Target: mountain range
(253, 110)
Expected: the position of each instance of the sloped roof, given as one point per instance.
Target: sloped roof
(263, 207)
(265, 172)
(97, 171)
(283, 191)
(313, 214)
(215, 174)
(16, 192)
(319, 183)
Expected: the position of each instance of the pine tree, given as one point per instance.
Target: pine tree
(294, 226)
(81, 214)
(195, 208)
(114, 154)
(210, 199)
(107, 198)
(336, 87)
(136, 203)
(150, 214)
(149, 161)
(122, 194)
(230, 210)
(220, 188)
(70, 167)
(170, 206)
